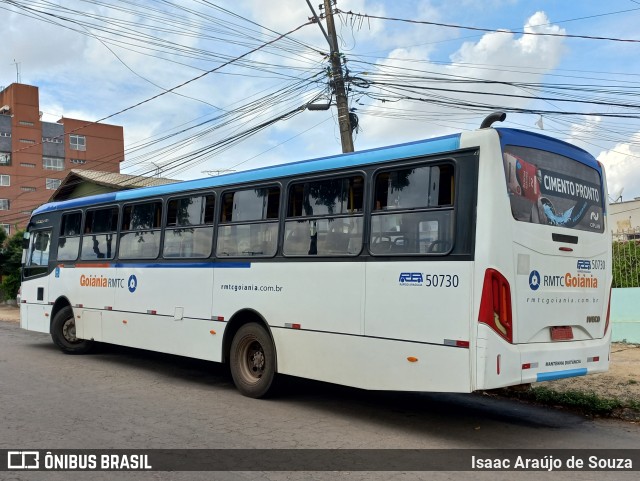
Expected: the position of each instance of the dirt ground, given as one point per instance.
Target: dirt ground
(622, 381)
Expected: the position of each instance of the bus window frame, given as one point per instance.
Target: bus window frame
(218, 214)
(84, 227)
(160, 229)
(453, 208)
(341, 174)
(79, 236)
(213, 225)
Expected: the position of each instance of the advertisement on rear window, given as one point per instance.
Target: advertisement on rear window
(550, 189)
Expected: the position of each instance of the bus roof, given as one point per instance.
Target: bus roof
(534, 140)
(365, 157)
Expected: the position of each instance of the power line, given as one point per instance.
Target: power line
(491, 30)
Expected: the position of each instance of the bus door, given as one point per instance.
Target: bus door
(34, 294)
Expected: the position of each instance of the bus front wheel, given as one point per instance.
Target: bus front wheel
(253, 361)
(63, 333)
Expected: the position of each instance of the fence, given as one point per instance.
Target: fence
(625, 297)
(626, 258)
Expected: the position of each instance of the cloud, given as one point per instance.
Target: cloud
(503, 57)
(620, 160)
(40, 48)
(621, 165)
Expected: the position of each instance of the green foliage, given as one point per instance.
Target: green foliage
(10, 285)
(626, 264)
(10, 263)
(584, 401)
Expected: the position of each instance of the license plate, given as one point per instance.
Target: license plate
(561, 333)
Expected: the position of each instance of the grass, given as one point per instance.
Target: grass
(583, 401)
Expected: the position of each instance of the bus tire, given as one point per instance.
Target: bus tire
(63, 333)
(253, 361)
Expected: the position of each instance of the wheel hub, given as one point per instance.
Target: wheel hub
(69, 331)
(256, 360)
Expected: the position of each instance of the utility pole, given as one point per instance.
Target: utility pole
(338, 81)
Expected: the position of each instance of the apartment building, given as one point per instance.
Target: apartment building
(35, 156)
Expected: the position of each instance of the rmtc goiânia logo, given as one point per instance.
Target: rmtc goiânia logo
(109, 282)
(566, 280)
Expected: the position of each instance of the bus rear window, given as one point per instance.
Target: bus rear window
(550, 189)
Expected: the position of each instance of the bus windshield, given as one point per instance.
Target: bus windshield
(550, 189)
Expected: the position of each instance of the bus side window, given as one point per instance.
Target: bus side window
(324, 217)
(98, 240)
(69, 240)
(413, 210)
(249, 223)
(189, 231)
(140, 232)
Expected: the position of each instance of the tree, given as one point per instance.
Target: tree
(10, 263)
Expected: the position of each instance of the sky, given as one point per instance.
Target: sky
(116, 60)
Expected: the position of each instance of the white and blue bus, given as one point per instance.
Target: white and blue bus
(460, 263)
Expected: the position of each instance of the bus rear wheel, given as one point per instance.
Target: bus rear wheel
(63, 333)
(253, 361)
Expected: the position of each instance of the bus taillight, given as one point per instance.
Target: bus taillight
(495, 305)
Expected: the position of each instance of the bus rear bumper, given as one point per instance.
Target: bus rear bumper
(500, 364)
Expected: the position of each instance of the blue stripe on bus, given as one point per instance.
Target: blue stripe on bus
(551, 376)
(188, 265)
(354, 159)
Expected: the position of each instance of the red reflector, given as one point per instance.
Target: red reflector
(526, 366)
(295, 326)
(151, 311)
(462, 344)
(596, 359)
(498, 364)
(561, 333)
(566, 249)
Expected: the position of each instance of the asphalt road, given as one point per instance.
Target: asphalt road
(120, 398)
